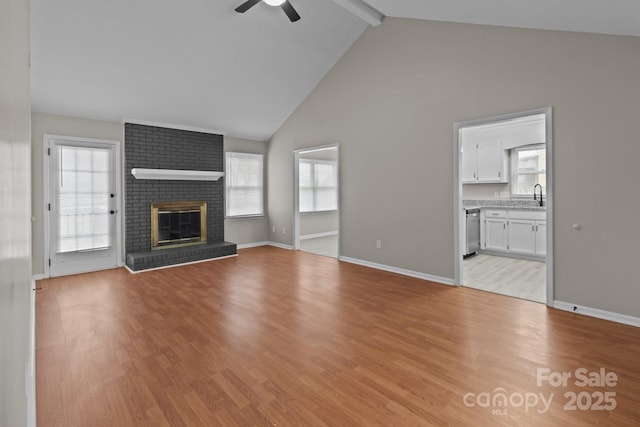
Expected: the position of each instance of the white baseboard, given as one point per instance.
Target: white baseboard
(404, 272)
(178, 265)
(30, 374)
(316, 235)
(281, 245)
(38, 276)
(596, 312)
(252, 245)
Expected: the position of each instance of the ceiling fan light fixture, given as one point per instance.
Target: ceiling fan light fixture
(274, 2)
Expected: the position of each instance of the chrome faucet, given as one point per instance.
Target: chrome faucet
(534, 193)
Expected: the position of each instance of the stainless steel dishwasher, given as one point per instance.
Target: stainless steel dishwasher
(473, 232)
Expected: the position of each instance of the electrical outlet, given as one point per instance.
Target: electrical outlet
(378, 244)
(284, 231)
(273, 229)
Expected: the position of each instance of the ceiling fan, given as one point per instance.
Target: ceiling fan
(284, 4)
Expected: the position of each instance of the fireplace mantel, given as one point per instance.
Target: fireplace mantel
(176, 174)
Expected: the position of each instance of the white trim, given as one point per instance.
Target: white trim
(362, 10)
(322, 148)
(178, 265)
(251, 245)
(597, 313)
(171, 126)
(31, 364)
(176, 174)
(316, 235)
(280, 245)
(39, 276)
(457, 190)
(402, 271)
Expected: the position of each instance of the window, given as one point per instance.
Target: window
(318, 185)
(82, 194)
(529, 168)
(244, 184)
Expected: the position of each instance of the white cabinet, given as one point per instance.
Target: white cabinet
(522, 236)
(541, 238)
(469, 162)
(495, 234)
(514, 231)
(491, 159)
(483, 162)
(494, 237)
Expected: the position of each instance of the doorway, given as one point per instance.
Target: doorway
(316, 200)
(504, 186)
(81, 205)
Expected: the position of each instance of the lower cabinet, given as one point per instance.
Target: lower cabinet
(495, 233)
(522, 236)
(541, 238)
(515, 231)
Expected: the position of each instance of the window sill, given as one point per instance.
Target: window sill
(240, 217)
(318, 212)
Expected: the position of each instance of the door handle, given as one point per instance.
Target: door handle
(112, 212)
(112, 195)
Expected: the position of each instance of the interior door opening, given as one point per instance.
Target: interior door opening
(316, 210)
(503, 205)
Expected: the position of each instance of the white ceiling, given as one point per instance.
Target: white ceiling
(198, 63)
(185, 62)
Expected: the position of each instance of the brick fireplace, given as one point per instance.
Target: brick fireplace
(164, 148)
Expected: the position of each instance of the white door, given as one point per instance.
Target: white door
(522, 236)
(82, 206)
(495, 234)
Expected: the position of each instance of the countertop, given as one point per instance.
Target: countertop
(529, 205)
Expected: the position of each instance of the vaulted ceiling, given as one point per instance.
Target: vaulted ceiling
(198, 63)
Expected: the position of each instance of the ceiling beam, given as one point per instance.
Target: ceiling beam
(362, 10)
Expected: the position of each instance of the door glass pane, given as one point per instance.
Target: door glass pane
(82, 195)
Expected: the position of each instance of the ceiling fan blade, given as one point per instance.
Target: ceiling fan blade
(290, 11)
(246, 6)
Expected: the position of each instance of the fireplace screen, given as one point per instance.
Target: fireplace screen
(178, 224)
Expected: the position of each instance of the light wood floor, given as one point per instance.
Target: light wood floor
(506, 276)
(325, 246)
(276, 337)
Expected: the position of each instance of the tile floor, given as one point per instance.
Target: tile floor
(325, 246)
(507, 276)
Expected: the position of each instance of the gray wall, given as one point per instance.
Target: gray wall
(391, 103)
(247, 230)
(15, 215)
(51, 124)
(318, 222)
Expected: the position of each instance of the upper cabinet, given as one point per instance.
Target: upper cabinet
(484, 157)
(484, 162)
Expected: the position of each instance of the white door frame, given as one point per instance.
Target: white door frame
(296, 191)
(46, 143)
(457, 189)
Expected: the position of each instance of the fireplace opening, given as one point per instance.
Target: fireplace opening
(176, 224)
